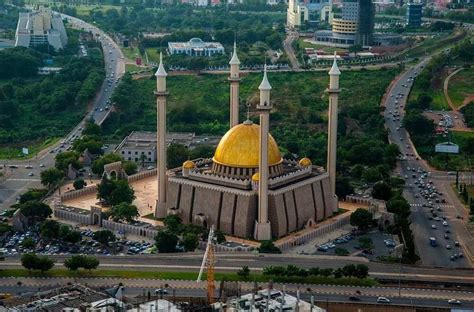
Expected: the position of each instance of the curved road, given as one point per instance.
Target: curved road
(17, 180)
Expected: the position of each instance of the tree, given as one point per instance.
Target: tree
(104, 236)
(49, 229)
(268, 247)
(343, 187)
(65, 158)
(114, 192)
(28, 243)
(172, 223)
(73, 263)
(341, 251)
(51, 177)
(35, 210)
(361, 271)
(90, 142)
(166, 241)
(92, 129)
(176, 154)
(129, 167)
(244, 272)
(124, 212)
(31, 261)
(361, 218)
(190, 241)
(90, 263)
(98, 164)
(202, 151)
(73, 237)
(382, 190)
(79, 184)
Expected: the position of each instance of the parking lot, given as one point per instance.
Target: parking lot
(371, 245)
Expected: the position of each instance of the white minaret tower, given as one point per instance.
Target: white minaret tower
(262, 226)
(234, 88)
(161, 95)
(333, 91)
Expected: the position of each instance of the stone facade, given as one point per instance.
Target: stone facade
(234, 210)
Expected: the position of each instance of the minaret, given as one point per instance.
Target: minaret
(161, 95)
(333, 91)
(262, 226)
(234, 88)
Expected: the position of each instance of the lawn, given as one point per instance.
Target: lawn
(15, 153)
(199, 103)
(153, 55)
(130, 52)
(85, 10)
(304, 44)
(461, 86)
(190, 276)
(133, 68)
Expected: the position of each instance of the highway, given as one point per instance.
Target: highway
(20, 179)
(438, 256)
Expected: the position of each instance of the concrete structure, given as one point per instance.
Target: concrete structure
(311, 11)
(414, 14)
(234, 79)
(247, 189)
(136, 144)
(161, 95)
(268, 300)
(354, 26)
(195, 47)
(39, 28)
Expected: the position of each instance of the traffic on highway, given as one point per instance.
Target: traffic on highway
(24, 174)
(434, 216)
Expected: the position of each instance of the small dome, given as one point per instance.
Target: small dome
(239, 147)
(256, 177)
(304, 162)
(189, 164)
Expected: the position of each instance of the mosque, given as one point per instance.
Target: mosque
(248, 189)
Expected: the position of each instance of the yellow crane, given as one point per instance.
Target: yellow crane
(209, 260)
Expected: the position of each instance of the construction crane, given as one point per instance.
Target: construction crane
(209, 260)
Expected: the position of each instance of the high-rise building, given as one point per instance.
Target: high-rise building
(365, 20)
(414, 14)
(39, 28)
(354, 26)
(310, 11)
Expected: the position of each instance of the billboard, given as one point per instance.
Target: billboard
(25, 151)
(447, 147)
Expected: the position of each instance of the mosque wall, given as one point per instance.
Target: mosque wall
(277, 215)
(245, 215)
(207, 202)
(229, 202)
(291, 210)
(305, 204)
(317, 192)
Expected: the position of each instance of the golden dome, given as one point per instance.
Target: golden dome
(256, 177)
(189, 164)
(304, 162)
(239, 147)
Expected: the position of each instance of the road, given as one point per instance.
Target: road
(21, 179)
(287, 45)
(438, 256)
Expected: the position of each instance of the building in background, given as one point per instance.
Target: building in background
(195, 47)
(312, 12)
(40, 28)
(354, 26)
(414, 14)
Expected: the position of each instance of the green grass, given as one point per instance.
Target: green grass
(199, 103)
(85, 10)
(303, 44)
(455, 161)
(15, 153)
(133, 68)
(153, 55)
(191, 276)
(130, 52)
(461, 85)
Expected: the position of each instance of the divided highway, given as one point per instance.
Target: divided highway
(18, 180)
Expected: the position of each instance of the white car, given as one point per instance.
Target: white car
(445, 223)
(383, 300)
(41, 165)
(433, 226)
(150, 168)
(31, 174)
(454, 301)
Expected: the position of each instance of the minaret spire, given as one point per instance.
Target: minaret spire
(161, 97)
(234, 79)
(262, 226)
(333, 91)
